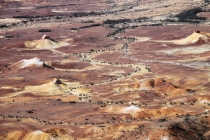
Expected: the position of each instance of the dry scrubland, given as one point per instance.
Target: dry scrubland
(104, 69)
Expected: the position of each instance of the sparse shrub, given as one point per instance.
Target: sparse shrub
(3, 26)
(44, 30)
(59, 100)
(58, 17)
(116, 21)
(207, 1)
(9, 36)
(89, 26)
(72, 102)
(30, 111)
(73, 29)
(162, 120)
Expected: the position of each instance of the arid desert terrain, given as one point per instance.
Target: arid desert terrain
(104, 69)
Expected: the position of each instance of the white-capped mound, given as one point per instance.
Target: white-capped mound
(206, 111)
(46, 43)
(130, 109)
(28, 63)
(193, 38)
(203, 100)
(43, 44)
(164, 138)
(31, 62)
(38, 132)
(133, 110)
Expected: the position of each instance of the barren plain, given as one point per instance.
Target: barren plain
(104, 70)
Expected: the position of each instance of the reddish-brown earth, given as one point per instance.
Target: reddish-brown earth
(123, 70)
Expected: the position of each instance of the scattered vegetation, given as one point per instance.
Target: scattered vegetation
(162, 120)
(116, 21)
(89, 21)
(92, 25)
(84, 27)
(116, 31)
(9, 36)
(191, 16)
(3, 26)
(59, 100)
(30, 111)
(73, 28)
(44, 30)
(207, 1)
(28, 16)
(72, 102)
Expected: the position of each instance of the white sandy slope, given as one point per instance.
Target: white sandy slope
(201, 37)
(193, 38)
(9, 20)
(188, 50)
(31, 62)
(28, 63)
